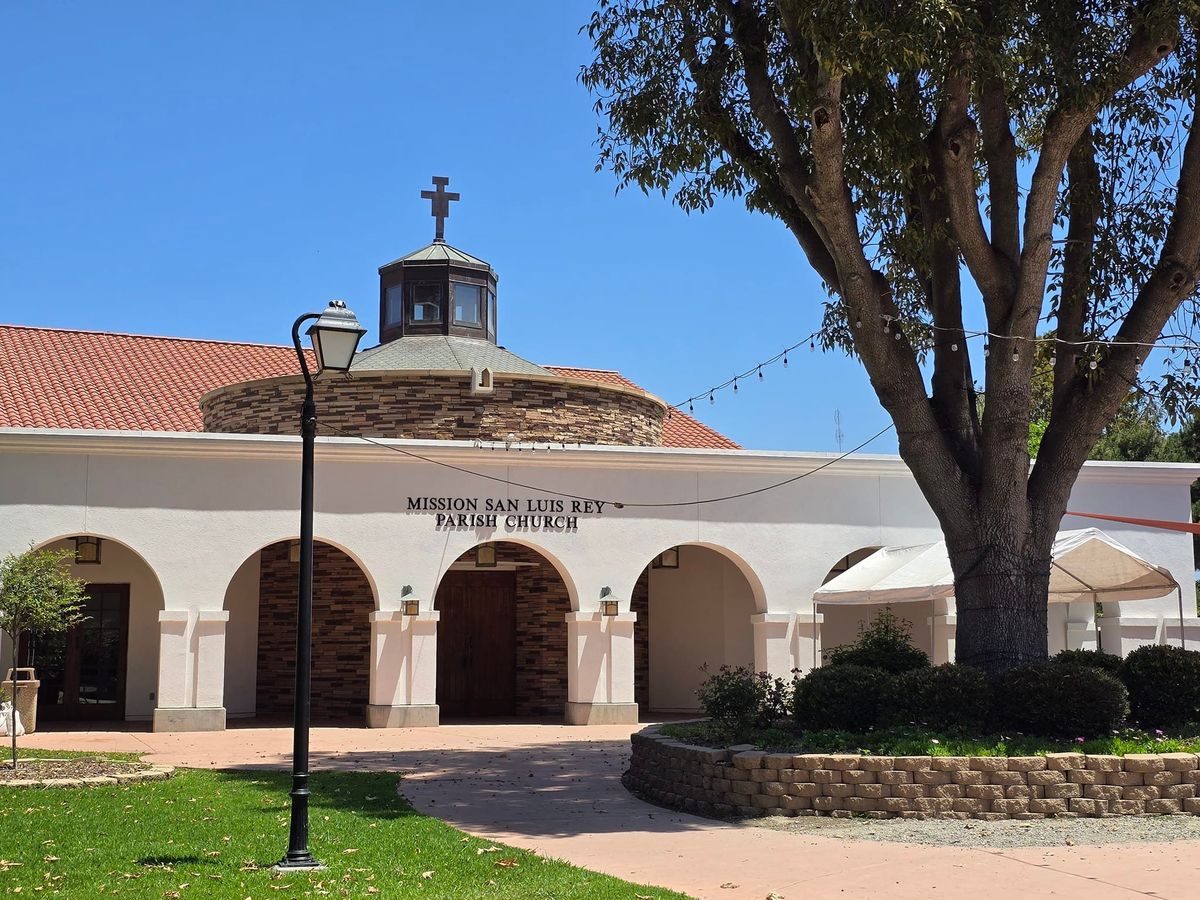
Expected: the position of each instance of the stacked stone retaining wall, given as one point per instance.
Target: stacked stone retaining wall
(741, 782)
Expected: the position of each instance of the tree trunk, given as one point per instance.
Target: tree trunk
(1000, 582)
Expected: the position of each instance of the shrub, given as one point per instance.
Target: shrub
(846, 697)
(886, 643)
(945, 696)
(1096, 659)
(738, 700)
(1060, 700)
(1164, 686)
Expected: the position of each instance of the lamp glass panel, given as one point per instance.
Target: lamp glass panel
(334, 347)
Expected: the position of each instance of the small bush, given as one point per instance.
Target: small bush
(1106, 662)
(1164, 686)
(1060, 700)
(945, 696)
(739, 700)
(845, 697)
(886, 643)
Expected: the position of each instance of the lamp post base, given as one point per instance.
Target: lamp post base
(304, 863)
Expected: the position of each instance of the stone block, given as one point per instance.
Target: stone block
(876, 763)
(912, 763)
(1104, 792)
(778, 761)
(762, 801)
(1011, 806)
(1100, 763)
(797, 803)
(794, 775)
(1179, 762)
(971, 805)
(1018, 790)
(826, 804)
(932, 804)
(858, 776)
(1164, 779)
(985, 791)
(1085, 776)
(909, 791)
(825, 776)
(842, 762)
(1178, 791)
(989, 763)
(871, 791)
(1008, 779)
(949, 763)
(1050, 807)
(1026, 763)
(737, 774)
(970, 776)
(1127, 807)
(1192, 805)
(804, 789)
(859, 804)
(841, 814)
(895, 777)
(838, 789)
(1164, 807)
(953, 791)
(990, 816)
(1126, 779)
(1065, 762)
(1063, 791)
(748, 759)
(1088, 806)
(1144, 762)
(807, 761)
(764, 774)
(1148, 792)
(774, 788)
(928, 776)
(894, 804)
(745, 788)
(1046, 777)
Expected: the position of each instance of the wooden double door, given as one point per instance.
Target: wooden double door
(82, 669)
(477, 644)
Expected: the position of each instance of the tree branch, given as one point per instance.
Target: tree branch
(1000, 152)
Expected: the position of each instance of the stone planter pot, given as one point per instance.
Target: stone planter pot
(26, 695)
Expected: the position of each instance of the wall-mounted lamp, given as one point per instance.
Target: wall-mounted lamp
(485, 556)
(412, 607)
(87, 551)
(668, 559)
(608, 606)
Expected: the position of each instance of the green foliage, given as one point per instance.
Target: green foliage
(1164, 686)
(739, 700)
(945, 696)
(845, 696)
(1060, 700)
(1108, 662)
(885, 643)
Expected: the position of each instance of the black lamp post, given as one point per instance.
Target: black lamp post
(335, 336)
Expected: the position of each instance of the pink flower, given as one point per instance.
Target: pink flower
(1079, 740)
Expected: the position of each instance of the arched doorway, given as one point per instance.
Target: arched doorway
(106, 667)
(260, 656)
(694, 606)
(502, 634)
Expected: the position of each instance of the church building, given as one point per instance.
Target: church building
(496, 537)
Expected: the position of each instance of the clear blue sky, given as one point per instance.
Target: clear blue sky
(214, 169)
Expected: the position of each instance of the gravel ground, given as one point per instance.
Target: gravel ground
(75, 767)
(950, 832)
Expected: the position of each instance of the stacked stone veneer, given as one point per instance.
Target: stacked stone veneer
(440, 406)
(730, 783)
(639, 603)
(541, 640)
(342, 605)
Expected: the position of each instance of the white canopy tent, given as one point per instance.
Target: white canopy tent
(1086, 564)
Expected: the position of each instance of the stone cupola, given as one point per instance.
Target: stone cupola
(439, 289)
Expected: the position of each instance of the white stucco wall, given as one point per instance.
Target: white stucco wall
(843, 622)
(241, 639)
(699, 614)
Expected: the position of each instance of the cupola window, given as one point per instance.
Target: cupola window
(394, 308)
(467, 302)
(425, 304)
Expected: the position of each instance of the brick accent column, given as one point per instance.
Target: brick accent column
(403, 692)
(191, 670)
(600, 670)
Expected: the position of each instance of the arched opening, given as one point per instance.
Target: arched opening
(843, 622)
(260, 650)
(694, 605)
(106, 667)
(502, 635)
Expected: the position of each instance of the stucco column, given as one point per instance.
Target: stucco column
(600, 669)
(806, 641)
(403, 690)
(191, 670)
(773, 643)
(942, 630)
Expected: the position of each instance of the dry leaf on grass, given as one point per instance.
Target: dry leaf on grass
(507, 863)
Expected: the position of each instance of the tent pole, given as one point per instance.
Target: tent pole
(1182, 640)
(814, 634)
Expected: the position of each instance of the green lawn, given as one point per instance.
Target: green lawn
(215, 834)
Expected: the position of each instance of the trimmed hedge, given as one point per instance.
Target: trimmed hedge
(945, 696)
(883, 644)
(845, 697)
(1164, 686)
(1060, 700)
(1097, 659)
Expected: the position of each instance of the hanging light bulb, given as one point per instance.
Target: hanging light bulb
(954, 347)
(711, 398)
(1092, 365)
(812, 344)
(858, 323)
(1054, 359)
(785, 360)
(691, 408)
(1016, 354)
(987, 350)
(735, 385)
(760, 373)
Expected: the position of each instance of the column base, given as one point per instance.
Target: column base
(601, 713)
(210, 718)
(403, 716)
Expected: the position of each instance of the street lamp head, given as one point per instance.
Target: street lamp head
(335, 336)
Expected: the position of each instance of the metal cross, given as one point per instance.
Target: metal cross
(441, 204)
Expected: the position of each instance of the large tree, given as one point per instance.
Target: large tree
(1044, 151)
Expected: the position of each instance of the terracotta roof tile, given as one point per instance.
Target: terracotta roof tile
(57, 378)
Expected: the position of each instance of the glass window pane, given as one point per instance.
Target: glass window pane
(426, 307)
(492, 313)
(466, 304)
(394, 305)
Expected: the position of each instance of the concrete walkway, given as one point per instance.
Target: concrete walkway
(556, 790)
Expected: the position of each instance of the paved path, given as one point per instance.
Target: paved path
(557, 790)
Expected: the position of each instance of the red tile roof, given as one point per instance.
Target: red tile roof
(680, 429)
(56, 378)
